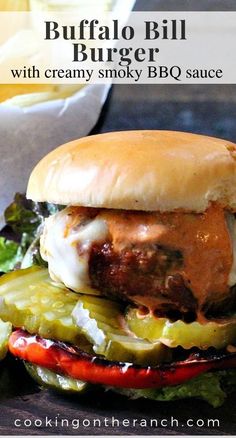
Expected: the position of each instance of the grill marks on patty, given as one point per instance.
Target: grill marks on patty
(145, 275)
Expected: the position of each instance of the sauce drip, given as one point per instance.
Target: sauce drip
(203, 239)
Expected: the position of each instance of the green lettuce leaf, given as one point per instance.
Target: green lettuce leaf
(10, 254)
(25, 219)
(32, 256)
(212, 387)
(25, 216)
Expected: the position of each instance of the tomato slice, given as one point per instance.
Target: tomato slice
(73, 362)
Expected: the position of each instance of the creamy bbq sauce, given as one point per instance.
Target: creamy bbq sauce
(203, 239)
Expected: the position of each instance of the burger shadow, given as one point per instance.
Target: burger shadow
(14, 380)
(100, 403)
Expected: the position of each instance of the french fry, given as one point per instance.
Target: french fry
(23, 95)
(14, 5)
(39, 94)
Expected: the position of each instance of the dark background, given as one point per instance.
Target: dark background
(206, 109)
(201, 109)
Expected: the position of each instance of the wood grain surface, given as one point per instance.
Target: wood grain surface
(201, 109)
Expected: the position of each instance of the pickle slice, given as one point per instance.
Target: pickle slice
(30, 300)
(135, 350)
(104, 325)
(5, 332)
(48, 378)
(217, 334)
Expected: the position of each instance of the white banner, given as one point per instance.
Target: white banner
(147, 47)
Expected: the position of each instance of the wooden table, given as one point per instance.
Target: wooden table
(201, 109)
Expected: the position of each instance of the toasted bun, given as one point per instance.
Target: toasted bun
(138, 170)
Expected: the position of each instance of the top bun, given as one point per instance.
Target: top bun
(138, 170)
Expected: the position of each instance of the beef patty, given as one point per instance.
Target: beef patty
(173, 262)
(145, 275)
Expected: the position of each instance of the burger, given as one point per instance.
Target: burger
(137, 292)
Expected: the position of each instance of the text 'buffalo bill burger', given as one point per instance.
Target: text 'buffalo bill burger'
(147, 241)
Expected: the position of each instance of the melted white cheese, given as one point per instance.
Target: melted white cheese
(59, 248)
